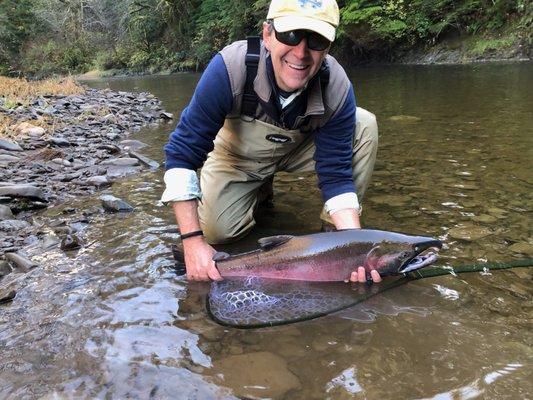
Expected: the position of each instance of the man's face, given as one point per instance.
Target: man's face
(293, 66)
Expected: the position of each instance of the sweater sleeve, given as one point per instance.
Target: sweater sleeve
(334, 149)
(201, 120)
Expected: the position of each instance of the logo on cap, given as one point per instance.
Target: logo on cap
(312, 3)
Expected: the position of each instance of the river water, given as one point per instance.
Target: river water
(114, 320)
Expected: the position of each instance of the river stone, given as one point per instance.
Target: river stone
(70, 242)
(497, 212)
(114, 204)
(145, 160)
(166, 115)
(469, 232)
(5, 213)
(9, 145)
(5, 268)
(255, 375)
(122, 162)
(8, 158)
(393, 200)
(97, 181)
(59, 141)
(25, 191)
(27, 129)
(484, 218)
(523, 248)
(131, 144)
(500, 306)
(50, 240)
(405, 118)
(13, 225)
(463, 186)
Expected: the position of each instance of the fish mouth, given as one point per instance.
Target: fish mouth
(425, 254)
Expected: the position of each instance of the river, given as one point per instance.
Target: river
(114, 320)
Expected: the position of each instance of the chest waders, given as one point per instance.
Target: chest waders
(248, 152)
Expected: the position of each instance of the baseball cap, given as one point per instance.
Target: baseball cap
(321, 16)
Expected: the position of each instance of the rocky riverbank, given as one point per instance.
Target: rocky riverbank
(62, 147)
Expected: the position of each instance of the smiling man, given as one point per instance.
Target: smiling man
(282, 104)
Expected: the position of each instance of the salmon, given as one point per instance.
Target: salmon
(331, 256)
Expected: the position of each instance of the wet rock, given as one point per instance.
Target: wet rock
(13, 225)
(122, 162)
(115, 172)
(469, 232)
(9, 145)
(59, 142)
(392, 200)
(71, 242)
(25, 191)
(49, 241)
(166, 115)
(98, 181)
(500, 306)
(522, 248)
(5, 269)
(144, 160)
(255, 375)
(7, 298)
(5, 213)
(8, 158)
(130, 144)
(405, 118)
(485, 218)
(21, 262)
(114, 204)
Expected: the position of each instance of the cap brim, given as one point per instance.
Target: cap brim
(289, 23)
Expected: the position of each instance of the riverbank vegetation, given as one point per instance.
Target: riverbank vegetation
(43, 37)
(15, 92)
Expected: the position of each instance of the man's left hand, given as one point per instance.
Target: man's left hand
(360, 275)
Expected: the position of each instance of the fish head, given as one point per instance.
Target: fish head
(393, 258)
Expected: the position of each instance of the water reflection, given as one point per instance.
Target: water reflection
(113, 320)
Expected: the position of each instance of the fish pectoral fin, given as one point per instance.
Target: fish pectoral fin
(270, 242)
(220, 255)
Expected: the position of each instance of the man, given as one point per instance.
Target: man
(304, 119)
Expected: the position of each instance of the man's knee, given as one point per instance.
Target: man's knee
(366, 128)
(219, 230)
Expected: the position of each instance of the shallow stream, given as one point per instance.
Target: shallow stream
(114, 320)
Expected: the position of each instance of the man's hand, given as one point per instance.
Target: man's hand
(360, 275)
(199, 260)
(349, 219)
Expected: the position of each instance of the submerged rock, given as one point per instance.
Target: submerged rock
(71, 242)
(255, 375)
(469, 232)
(522, 248)
(114, 204)
(405, 118)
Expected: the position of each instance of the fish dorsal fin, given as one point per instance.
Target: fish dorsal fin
(220, 255)
(270, 242)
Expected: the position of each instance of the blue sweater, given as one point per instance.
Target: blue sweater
(212, 100)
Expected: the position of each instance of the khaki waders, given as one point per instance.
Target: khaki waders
(243, 160)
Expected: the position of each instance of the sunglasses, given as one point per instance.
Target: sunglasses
(314, 40)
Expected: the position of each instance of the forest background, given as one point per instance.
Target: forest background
(45, 37)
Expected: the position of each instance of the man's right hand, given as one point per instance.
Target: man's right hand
(199, 260)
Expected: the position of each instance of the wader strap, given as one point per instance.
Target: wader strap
(249, 99)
